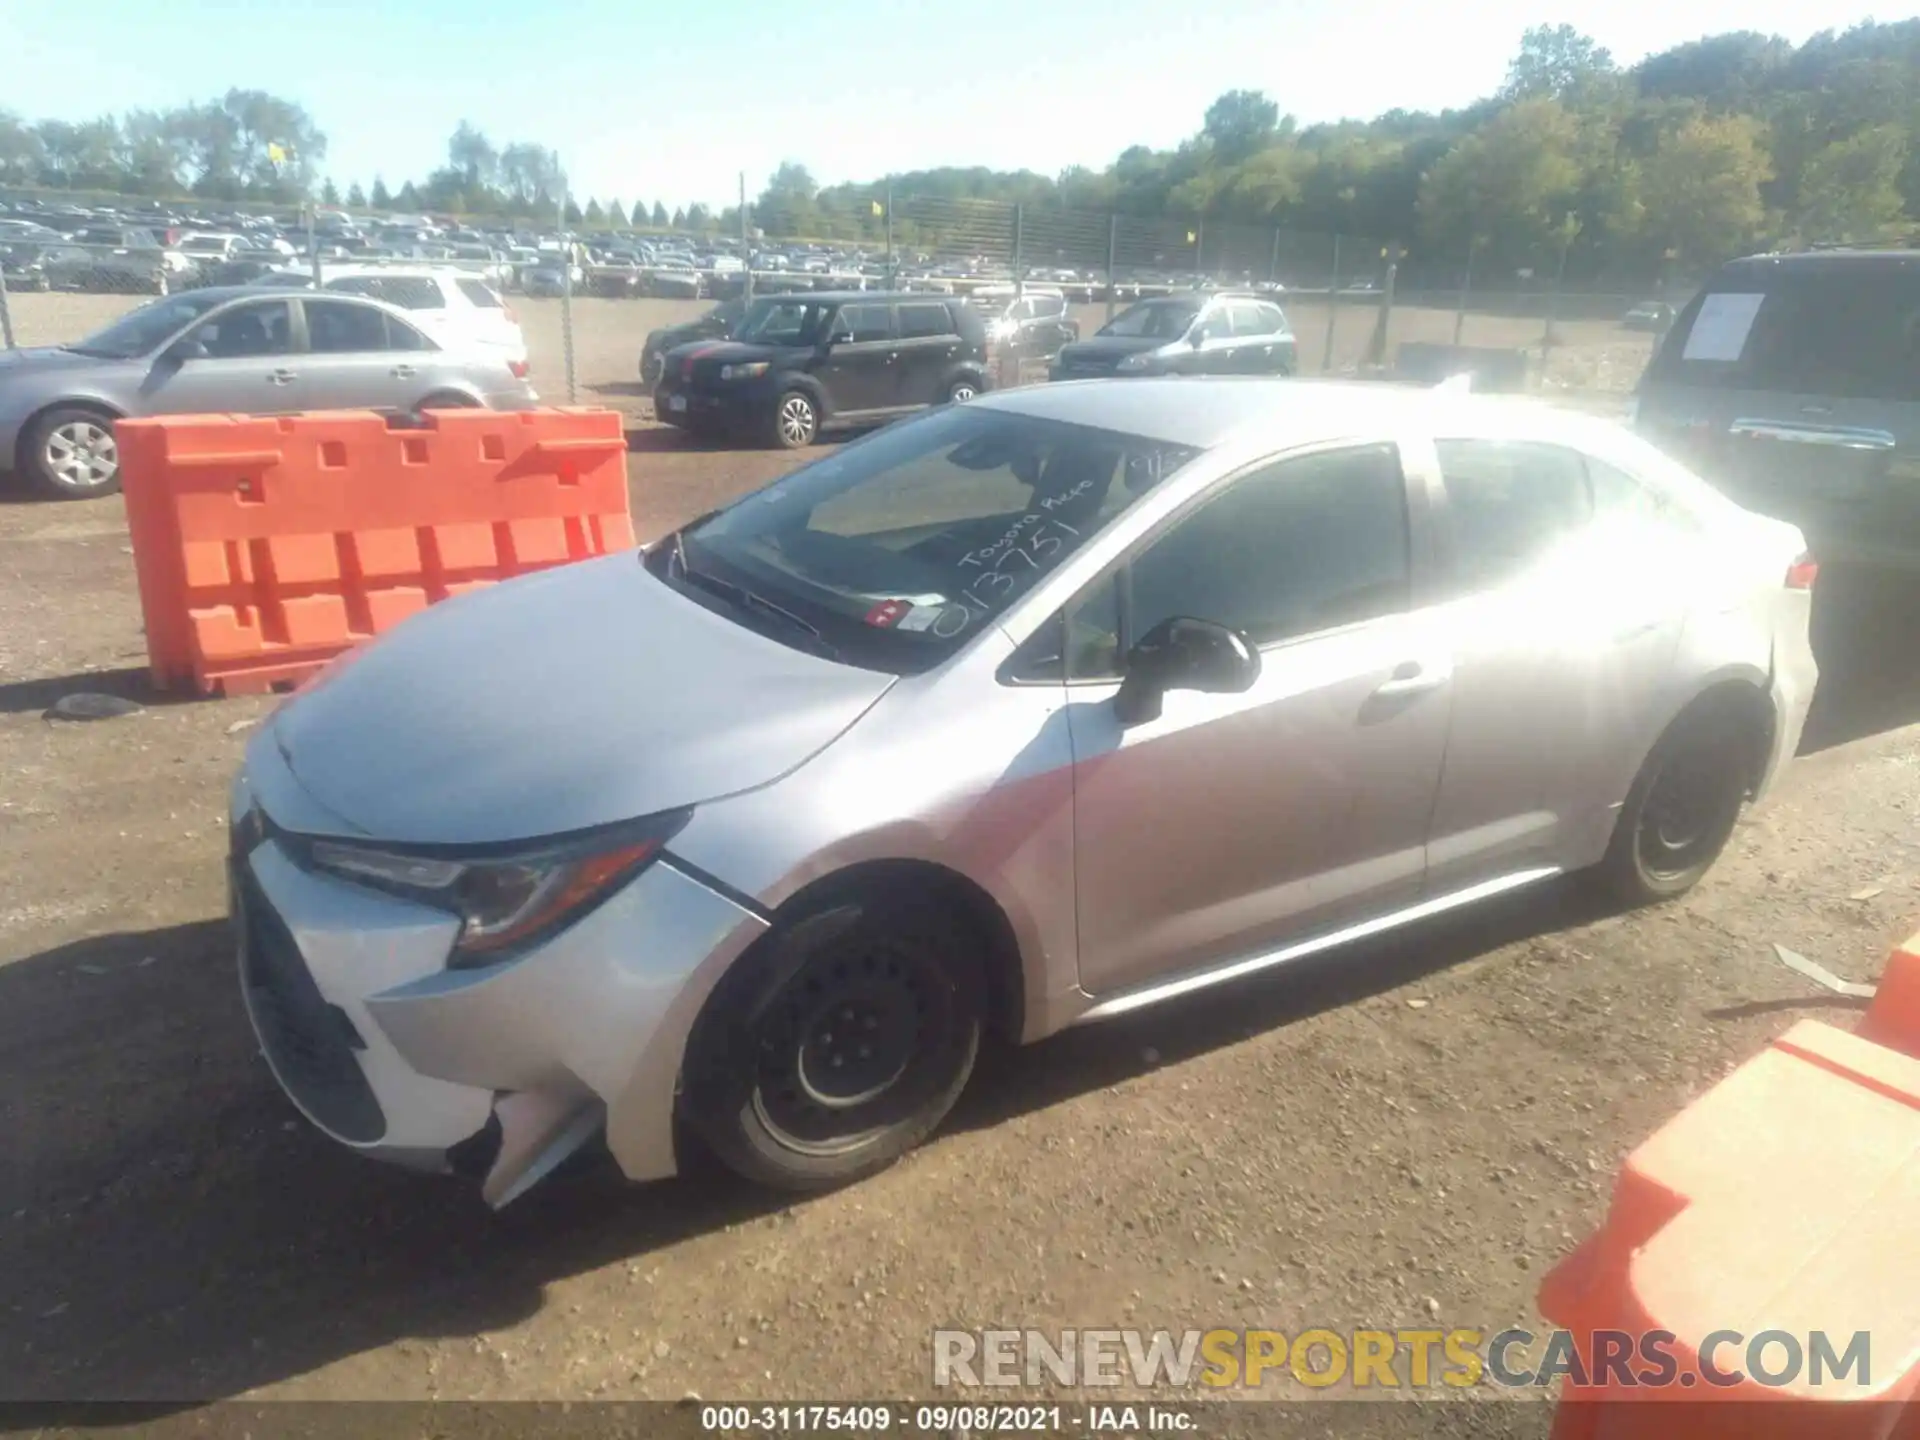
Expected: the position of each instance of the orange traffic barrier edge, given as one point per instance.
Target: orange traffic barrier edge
(1781, 1200)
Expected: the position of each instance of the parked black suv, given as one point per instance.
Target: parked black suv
(1792, 382)
(1193, 334)
(798, 364)
(716, 324)
(1032, 325)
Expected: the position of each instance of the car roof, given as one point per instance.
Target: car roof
(828, 297)
(1214, 411)
(1815, 262)
(220, 294)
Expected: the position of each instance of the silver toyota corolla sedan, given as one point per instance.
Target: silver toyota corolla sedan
(1022, 714)
(236, 350)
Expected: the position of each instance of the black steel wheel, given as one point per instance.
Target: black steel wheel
(836, 1044)
(1683, 806)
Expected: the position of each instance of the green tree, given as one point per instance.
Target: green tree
(594, 215)
(381, 199)
(409, 197)
(330, 193)
(356, 197)
(1239, 124)
(617, 215)
(572, 213)
(1851, 189)
(1507, 185)
(660, 221)
(699, 217)
(679, 220)
(1555, 62)
(1701, 187)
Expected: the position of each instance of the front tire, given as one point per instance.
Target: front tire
(70, 454)
(1682, 808)
(796, 421)
(836, 1045)
(961, 391)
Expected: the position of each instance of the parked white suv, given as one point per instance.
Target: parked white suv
(453, 306)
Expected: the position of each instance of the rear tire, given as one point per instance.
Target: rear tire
(961, 391)
(1682, 808)
(836, 1044)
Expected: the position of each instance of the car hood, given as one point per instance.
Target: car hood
(45, 357)
(1112, 347)
(669, 336)
(727, 352)
(581, 696)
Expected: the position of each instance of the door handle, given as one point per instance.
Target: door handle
(280, 377)
(1411, 677)
(403, 372)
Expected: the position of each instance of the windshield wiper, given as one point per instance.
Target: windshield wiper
(746, 599)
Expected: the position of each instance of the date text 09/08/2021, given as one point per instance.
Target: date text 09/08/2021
(905, 1418)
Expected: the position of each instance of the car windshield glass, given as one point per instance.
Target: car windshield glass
(1157, 319)
(141, 331)
(728, 312)
(781, 322)
(901, 547)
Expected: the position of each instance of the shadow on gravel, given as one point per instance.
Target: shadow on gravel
(30, 697)
(171, 1231)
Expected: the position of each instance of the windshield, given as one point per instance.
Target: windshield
(143, 329)
(782, 322)
(1156, 319)
(901, 547)
(728, 312)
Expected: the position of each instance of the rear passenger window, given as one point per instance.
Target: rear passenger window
(1839, 334)
(1251, 320)
(917, 322)
(341, 327)
(480, 294)
(1509, 504)
(866, 322)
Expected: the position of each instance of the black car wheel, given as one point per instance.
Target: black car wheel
(961, 391)
(796, 423)
(836, 1044)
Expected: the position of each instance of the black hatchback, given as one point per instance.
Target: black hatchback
(800, 364)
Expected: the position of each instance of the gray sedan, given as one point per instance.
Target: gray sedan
(1018, 715)
(226, 351)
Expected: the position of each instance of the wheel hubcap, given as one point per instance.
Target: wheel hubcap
(82, 455)
(796, 420)
(962, 394)
(1684, 811)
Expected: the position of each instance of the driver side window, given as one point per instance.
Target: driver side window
(1302, 546)
(260, 327)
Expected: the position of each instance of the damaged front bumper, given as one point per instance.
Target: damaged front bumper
(500, 1072)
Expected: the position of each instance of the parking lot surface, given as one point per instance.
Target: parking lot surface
(1404, 1133)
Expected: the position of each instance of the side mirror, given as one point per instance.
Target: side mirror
(1199, 336)
(1184, 654)
(185, 348)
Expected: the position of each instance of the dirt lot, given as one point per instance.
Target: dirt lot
(1403, 1131)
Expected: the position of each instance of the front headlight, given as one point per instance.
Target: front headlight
(752, 370)
(1142, 361)
(507, 902)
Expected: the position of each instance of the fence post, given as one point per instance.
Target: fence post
(6, 315)
(1273, 259)
(1019, 263)
(893, 268)
(1383, 321)
(1333, 309)
(1466, 288)
(1199, 244)
(746, 245)
(566, 299)
(1113, 260)
(1547, 337)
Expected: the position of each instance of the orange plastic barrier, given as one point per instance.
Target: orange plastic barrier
(265, 547)
(1786, 1200)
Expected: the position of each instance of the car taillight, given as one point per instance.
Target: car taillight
(519, 368)
(686, 368)
(1802, 573)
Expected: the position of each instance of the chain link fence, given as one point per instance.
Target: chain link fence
(1353, 301)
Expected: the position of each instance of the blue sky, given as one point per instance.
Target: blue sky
(657, 101)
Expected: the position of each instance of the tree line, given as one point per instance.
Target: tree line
(1577, 164)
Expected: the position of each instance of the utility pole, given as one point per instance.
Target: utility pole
(746, 247)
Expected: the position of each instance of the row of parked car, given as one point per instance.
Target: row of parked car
(785, 368)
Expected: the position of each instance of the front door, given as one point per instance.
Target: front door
(858, 369)
(1236, 823)
(1559, 654)
(240, 360)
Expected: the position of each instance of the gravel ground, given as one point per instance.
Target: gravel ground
(1411, 1129)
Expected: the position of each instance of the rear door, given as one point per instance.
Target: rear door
(929, 347)
(1794, 386)
(1253, 337)
(353, 363)
(1568, 584)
